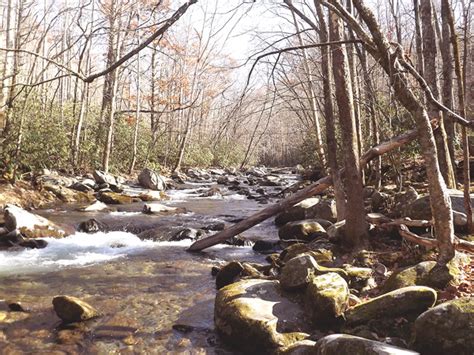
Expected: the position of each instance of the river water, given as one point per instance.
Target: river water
(155, 297)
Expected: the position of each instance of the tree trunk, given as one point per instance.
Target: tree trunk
(429, 60)
(331, 141)
(356, 232)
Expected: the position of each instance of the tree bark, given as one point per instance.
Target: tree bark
(429, 60)
(356, 235)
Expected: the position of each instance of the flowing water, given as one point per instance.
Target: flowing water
(155, 297)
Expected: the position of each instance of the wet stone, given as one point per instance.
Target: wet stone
(71, 309)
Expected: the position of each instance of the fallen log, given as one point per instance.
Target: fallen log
(313, 189)
(459, 244)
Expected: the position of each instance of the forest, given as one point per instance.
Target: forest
(243, 176)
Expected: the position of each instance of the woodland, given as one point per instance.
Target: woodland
(366, 101)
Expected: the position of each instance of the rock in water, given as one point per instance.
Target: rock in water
(150, 208)
(447, 328)
(327, 297)
(150, 179)
(114, 198)
(103, 178)
(401, 302)
(31, 225)
(71, 309)
(96, 206)
(339, 344)
(151, 195)
(426, 273)
(254, 316)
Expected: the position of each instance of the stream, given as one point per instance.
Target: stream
(155, 297)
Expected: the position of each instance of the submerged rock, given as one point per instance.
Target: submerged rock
(256, 317)
(447, 328)
(71, 309)
(405, 301)
(150, 179)
(426, 273)
(305, 230)
(327, 297)
(338, 344)
(298, 271)
(30, 225)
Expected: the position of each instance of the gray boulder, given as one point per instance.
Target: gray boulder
(447, 328)
(151, 180)
(101, 177)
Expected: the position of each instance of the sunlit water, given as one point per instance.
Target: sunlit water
(156, 297)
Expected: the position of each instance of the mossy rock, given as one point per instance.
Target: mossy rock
(426, 273)
(113, 198)
(298, 271)
(405, 301)
(304, 231)
(358, 277)
(321, 255)
(447, 328)
(256, 317)
(327, 297)
(69, 195)
(339, 344)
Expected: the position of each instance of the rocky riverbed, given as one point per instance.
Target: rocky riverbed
(106, 271)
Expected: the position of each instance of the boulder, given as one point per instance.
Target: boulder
(403, 199)
(270, 180)
(187, 233)
(256, 317)
(68, 195)
(298, 271)
(297, 212)
(411, 300)
(82, 186)
(326, 209)
(420, 208)
(71, 309)
(447, 328)
(101, 177)
(337, 344)
(92, 226)
(114, 198)
(327, 297)
(212, 191)
(151, 180)
(31, 225)
(379, 201)
(257, 171)
(321, 255)
(305, 230)
(426, 273)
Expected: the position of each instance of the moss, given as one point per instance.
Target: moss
(327, 297)
(427, 273)
(114, 198)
